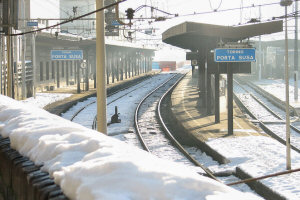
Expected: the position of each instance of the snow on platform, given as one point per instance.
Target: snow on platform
(89, 165)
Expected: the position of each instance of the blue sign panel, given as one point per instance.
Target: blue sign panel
(32, 23)
(66, 55)
(235, 55)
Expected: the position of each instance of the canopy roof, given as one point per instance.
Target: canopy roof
(196, 36)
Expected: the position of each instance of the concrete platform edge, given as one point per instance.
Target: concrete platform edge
(62, 106)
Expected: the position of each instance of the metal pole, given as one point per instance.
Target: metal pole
(230, 99)
(217, 96)
(78, 76)
(23, 68)
(33, 64)
(1, 63)
(287, 112)
(296, 56)
(260, 51)
(100, 70)
(208, 93)
(9, 65)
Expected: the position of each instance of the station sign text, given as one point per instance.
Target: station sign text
(235, 55)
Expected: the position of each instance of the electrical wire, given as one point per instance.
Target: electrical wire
(231, 9)
(70, 20)
(217, 7)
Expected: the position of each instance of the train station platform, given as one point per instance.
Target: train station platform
(244, 150)
(185, 104)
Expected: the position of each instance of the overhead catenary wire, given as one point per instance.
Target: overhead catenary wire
(264, 177)
(231, 9)
(116, 3)
(70, 20)
(215, 9)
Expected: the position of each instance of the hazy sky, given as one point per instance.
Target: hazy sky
(229, 18)
(182, 7)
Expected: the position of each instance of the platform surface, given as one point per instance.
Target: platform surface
(185, 106)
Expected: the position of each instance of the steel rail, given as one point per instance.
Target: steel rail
(174, 141)
(109, 94)
(262, 124)
(140, 137)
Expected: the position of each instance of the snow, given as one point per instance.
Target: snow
(43, 99)
(89, 165)
(259, 156)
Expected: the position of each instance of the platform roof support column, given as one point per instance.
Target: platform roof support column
(208, 94)
(139, 63)
(118, 66)
(113, 64)
(201, 80)
(149, 63)
(87, 71)
(67, 72)
(125, 65)
(57, 75)
(134, 64)
(217, 96)
(230, 99)
(121, 66)
(78, 76)
(108, 66)
(129, 64)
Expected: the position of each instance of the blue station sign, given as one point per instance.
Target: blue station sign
(66, 55)
(235, 55)
(32, 24)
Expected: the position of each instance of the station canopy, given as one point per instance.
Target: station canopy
(200, 36)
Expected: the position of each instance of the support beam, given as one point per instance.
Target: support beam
(78, 76)
(208, 94)
(217, 98)
(230, 99)
(57, 75)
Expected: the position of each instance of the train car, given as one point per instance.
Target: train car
(166, 65)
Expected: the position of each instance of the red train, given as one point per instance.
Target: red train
(165, 65)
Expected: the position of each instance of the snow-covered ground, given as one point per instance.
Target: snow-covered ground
(43, 99)
(89, 165)
(77, 153)
(277, 88)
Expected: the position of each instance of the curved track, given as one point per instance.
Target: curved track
(154, 134)
(87, 109)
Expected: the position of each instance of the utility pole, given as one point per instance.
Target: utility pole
(260, 51)
(287, 3)
(1, 61)
(100, 69)
(9, 64)
(23, 55)
(33, 64)
(296, 55)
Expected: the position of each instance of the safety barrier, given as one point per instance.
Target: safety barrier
(21, 179)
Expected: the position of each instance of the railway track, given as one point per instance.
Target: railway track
(154, 135)
(262, 113)
(87, 109)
